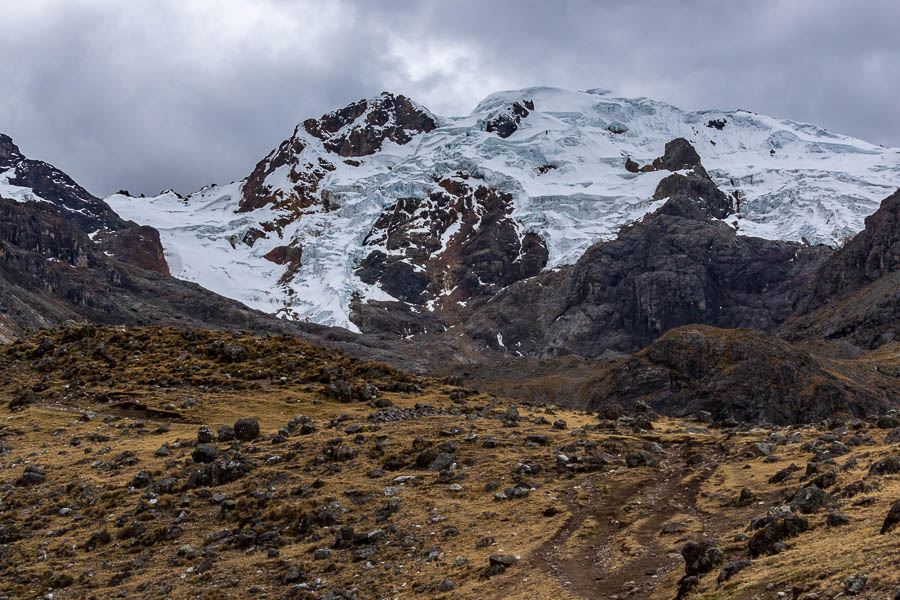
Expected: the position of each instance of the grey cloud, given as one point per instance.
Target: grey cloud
(175, 94)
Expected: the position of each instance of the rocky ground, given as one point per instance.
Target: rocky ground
(167, 463)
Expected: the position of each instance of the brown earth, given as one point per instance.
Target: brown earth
(103, 401)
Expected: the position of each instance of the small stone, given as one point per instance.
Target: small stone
(503, 560)
(836, 519)
(205, 435)
(854, 585)
(33, 476)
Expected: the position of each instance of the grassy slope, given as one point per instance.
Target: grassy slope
(606, 540)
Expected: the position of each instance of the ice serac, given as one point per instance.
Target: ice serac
(572, 169)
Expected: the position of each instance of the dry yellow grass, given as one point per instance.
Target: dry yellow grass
(605, 540)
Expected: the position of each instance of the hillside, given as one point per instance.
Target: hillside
(131, 465)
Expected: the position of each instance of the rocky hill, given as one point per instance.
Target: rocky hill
(677, 266)
(749, 376)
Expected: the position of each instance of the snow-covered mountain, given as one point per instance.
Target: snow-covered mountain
(377, 201)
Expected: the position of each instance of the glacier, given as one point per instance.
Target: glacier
(564, 166)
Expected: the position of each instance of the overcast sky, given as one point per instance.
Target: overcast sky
(150, 94)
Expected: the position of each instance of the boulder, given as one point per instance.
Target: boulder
(701, 557)
(205, 453)
(246, 429)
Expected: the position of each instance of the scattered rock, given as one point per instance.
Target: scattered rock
(205, 453)
(810, 499)
(641, 458)
(701, 557)
(854, 585)
(761, 448)
(225, 433)
(246, 429)
(778, 527)
(732, 568)
(836, 519)
(33, 476)
(205, 435)
(886, 466)
(892, 518)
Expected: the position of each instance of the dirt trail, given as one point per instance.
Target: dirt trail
(602, 564)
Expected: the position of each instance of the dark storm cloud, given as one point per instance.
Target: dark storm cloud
(148, 95)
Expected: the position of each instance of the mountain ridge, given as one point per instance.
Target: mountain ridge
(567, 162)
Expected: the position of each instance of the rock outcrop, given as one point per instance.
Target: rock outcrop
(53, 192)
(675, 267)
(679, 155)
(356, 130)
(507, 120)
(855, 295)
(458, 243)
(360, 129)
(45, 183)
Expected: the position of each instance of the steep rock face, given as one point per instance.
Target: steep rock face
(52, 271)
(304, 177)
(506, 120)
(700, 190)
(32, 181)
(678, 155)
(855, 295)
(359, 129)
(25, 179)
(460, 241)
(138, 245)
(745, 375)
(675, 267)
(870, 255)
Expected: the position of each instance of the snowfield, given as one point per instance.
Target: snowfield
(565, 169)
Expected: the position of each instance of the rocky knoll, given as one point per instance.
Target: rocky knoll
(745, 375)
(855, 295)
(675, 267)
